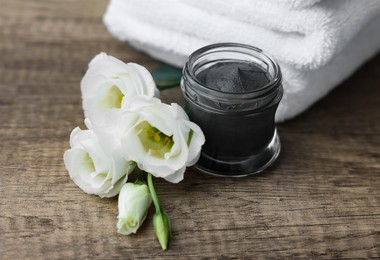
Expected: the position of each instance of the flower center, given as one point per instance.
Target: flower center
(153, 140)
(89, 163)
(113, 98)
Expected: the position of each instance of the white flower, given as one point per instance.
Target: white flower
(95, 162)
(160, 138)
(134, 202)
(109, 82)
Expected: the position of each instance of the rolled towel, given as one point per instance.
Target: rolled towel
(286, 4)
(330, 30)
(324, 19)
(302, 86)
(290, 4)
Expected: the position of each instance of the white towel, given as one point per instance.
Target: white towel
(290, 4)
(171, 33)
(300, 43)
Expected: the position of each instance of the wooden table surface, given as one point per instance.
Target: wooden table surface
(320, 200)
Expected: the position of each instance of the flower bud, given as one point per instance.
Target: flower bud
(134, 202)
(162, 228)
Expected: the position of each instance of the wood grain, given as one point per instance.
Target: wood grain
(320, 200)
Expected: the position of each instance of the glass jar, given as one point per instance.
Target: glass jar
(241, 137)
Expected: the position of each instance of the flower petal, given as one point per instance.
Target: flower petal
(176, 176)
(197, 139)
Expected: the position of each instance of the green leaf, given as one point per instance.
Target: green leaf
(166, 76)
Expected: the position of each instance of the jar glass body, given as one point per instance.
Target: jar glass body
(241, 138)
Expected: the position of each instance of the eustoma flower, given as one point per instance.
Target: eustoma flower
(129, 126)
(134, 202)
(160, 138)
(109, 82)
(95, 163)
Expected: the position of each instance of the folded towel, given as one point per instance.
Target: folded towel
(286, 5)
(331, 27)
(291, 4)
(171, 33)
(324, 20)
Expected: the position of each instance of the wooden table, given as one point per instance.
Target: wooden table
(320, 200)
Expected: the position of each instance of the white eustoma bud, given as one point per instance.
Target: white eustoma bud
(134, 202)
(109, 82)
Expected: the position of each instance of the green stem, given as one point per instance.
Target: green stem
(156, 202)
